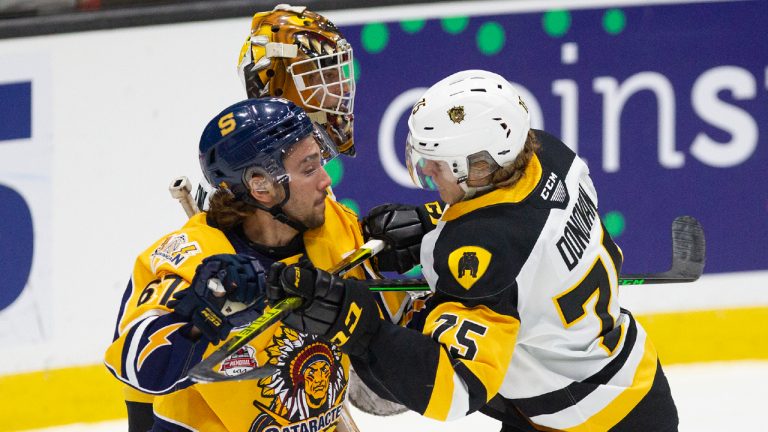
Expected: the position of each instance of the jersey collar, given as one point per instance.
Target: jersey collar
(505, 195)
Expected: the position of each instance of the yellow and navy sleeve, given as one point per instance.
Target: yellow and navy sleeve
(150, 351)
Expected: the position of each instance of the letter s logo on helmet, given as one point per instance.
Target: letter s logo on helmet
(227, 124)
(243, 136)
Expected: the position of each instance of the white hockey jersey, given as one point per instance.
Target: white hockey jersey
(525, 323)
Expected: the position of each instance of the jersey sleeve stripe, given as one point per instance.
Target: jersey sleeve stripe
(443, 393)
(602, 410)
(476, 389)
(126, 296)
(133, 348)
(561, 399)
(627, 399)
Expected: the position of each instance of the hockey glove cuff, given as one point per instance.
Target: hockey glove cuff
(402, 227)
(224, 288)
(342, 311)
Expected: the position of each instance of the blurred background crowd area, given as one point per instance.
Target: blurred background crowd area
(35, 8)
(26, 8)
(20, 18)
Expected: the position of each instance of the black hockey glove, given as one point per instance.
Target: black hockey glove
(342, 311)
(401, 226)
(223, 286)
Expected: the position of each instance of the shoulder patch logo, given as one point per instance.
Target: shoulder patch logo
(468, 264)
(174, 250)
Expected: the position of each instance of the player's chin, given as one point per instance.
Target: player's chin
(317, 220)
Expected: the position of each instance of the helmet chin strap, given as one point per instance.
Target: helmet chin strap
(277, 211)
(473, 192)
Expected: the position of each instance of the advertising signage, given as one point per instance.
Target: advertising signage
(668, 104)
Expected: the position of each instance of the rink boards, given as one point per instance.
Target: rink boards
(95, 125)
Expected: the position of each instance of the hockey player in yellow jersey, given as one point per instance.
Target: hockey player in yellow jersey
(286, 46)
(524, 323)
(192, 287)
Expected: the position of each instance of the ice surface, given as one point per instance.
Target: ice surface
(710, 397)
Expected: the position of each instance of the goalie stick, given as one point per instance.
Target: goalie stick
(688, 257)
(181, 189)
(204, 371)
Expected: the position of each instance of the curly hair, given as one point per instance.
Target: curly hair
(226, 212)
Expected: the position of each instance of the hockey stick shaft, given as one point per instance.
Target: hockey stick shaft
(688, 258)
(203, 371)
(422, 285)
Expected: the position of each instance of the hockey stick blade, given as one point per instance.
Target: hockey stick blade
(205, 370)
(688, 256)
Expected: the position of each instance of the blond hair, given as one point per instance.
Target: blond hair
(511, 173)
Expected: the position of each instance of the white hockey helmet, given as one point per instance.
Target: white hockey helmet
(470, 116)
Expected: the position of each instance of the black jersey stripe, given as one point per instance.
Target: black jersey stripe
(612, 249)
(656, 411)
(565, 397)
(553, 154)
(477, 391)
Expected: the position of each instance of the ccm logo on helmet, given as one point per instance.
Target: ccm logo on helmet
(227, 124)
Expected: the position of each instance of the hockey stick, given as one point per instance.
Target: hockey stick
(181, 190)
(204, 371)
(688, 257)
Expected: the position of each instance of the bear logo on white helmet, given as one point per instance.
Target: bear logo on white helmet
(456, 114)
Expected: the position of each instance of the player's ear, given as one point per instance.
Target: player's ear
(264, 190)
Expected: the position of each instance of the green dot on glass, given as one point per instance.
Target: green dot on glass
(335, 170)
(490, 38)
(375, 37)
(454, 25)
(351, 204)
(614, 223)
(412, 26)
(556, 22)
(614, 21)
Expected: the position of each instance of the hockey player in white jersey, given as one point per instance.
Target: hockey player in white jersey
(524, 323)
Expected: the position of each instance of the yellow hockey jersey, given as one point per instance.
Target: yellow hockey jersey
(150, 355)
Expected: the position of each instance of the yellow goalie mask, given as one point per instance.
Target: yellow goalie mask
(299, 55)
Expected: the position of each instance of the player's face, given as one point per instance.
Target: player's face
(334, 84)
(308, 183)
(441, 176)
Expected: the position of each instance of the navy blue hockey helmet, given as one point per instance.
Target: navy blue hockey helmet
(255, 133)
